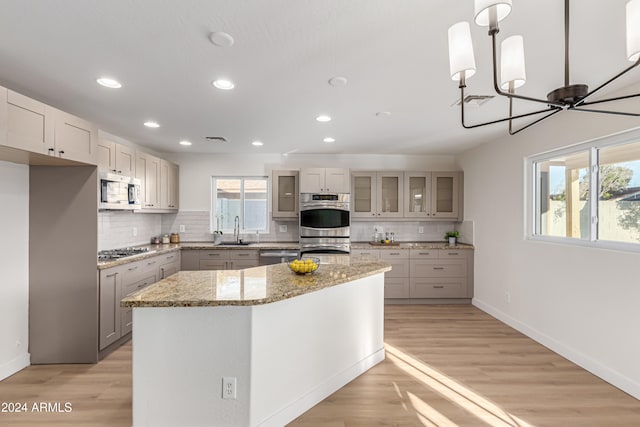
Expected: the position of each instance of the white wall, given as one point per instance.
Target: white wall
(581, 302)
(14, 256)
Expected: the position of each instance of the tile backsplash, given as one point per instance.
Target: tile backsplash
(117, 229)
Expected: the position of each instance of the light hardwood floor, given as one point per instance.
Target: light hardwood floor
(445, 366)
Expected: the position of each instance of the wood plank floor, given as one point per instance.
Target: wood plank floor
(445, 366)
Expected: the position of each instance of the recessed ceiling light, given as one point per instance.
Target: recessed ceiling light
(383, 113)
(221, 39)
(338, 81)
(257, 143)
(185, 142)
(151, 124)
(323, 118)
(329, 139)
(223, 84)
(109, 82)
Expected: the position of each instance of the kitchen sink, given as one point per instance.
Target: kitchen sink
(235, 243)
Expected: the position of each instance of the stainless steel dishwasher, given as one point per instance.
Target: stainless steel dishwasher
(276, 256)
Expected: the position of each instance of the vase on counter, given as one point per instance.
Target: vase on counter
(452, 241)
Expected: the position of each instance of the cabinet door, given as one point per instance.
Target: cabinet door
(126, 314)
(284, 194)
(148, 171)
(110, 280)
(30, 124)
(389, 191)
(417, 198)
(106, 155)
(445, 194)
(125, 160)
(167, 270)
(213, 264)
(174, 186)
(312, 180)
(396, 287)
(190, 260)
(75, 138)
(168, 185)
(336, 180)
(363, 193)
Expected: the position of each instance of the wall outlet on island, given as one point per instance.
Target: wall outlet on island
(420, 230)
(135, 231)
(228, 387)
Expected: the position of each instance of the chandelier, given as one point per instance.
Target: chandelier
(571, 97)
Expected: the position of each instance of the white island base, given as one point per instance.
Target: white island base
(286, 356)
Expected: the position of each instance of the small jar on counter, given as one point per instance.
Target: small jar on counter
(174, 238)
(155, 240)
(165, 238)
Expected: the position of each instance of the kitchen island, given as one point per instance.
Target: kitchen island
(253, 347)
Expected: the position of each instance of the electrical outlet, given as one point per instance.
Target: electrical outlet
(229, 388)
(182, 228)
(507, 297)
(283, 228)
(421, 230)
(135, 231)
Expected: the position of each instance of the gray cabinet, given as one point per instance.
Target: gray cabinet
(109, 320)
(169, 185)
(446, 195)
(396, 281)
(285, 192)
(168, 264)
(441, 273)
(116, 158)
(219, 259)
(324, 180)
(377, 194)
(148, 172)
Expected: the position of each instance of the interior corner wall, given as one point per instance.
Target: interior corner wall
(14, 262)
(581, 302)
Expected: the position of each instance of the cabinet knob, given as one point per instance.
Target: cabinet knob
(61, 152)
(51, 150)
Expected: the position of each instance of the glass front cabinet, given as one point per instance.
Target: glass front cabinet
(285, 194)
(377, 194)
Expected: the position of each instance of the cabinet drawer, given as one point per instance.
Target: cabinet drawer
(244, 255)
(438, 288)
(215, 254)
(399, 268)
(373, 253)
(452, 254)
(170, 257)
(239, 264)
(439, 268)
(388, 254)
(396, 288)
(423, 253)
(129, 288)
(212, 264)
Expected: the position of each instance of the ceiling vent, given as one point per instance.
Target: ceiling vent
(219, 139)
(473, 100)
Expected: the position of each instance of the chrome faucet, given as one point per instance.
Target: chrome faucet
(236, 229)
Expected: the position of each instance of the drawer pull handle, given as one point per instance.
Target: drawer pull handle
(453, 253)
(243, 254)
(133, 268)
(438, 286)
(169, 257)
(394, 253)
(151, 263)
(424, 253)
(112, 275)
(438, 268)
(214, 254)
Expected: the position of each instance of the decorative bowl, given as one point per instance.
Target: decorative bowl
(303, 265)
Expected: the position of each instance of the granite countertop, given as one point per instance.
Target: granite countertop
(252, 245)
(251, 286)
(410, 245)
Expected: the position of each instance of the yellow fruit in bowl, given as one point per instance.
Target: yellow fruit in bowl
(304, 266)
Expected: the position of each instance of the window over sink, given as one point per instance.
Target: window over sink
(242, 197)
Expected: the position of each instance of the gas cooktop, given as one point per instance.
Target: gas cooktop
(113, 254)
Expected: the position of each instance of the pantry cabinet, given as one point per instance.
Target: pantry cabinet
(377, 194)
(324, 180)
(285, 193)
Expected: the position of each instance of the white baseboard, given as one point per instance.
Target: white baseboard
(628, 385)
(15, 365)
(322, 391)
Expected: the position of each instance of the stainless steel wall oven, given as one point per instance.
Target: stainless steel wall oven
(324, 223)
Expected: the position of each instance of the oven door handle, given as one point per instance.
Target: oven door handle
(337, 206)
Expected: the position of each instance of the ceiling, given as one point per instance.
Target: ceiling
(393, 53)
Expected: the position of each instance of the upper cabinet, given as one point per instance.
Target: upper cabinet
(377, 194)
(324, 180)
(3, 115)
(168, 185)
(446, 194)
(285, 194)
(148, 172)
(388, 194)
(116, 158)
(38, 128)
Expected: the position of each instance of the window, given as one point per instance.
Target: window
(565, 180)
(245, 198)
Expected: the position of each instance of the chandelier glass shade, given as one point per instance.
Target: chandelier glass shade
(512, 65)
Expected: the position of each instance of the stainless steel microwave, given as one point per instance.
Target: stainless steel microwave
(119, 192)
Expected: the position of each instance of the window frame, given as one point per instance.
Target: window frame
(531, 182)
(214, 200)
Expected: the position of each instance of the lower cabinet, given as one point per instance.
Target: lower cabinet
(219, 259)
(425, 273)
(121, 281)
